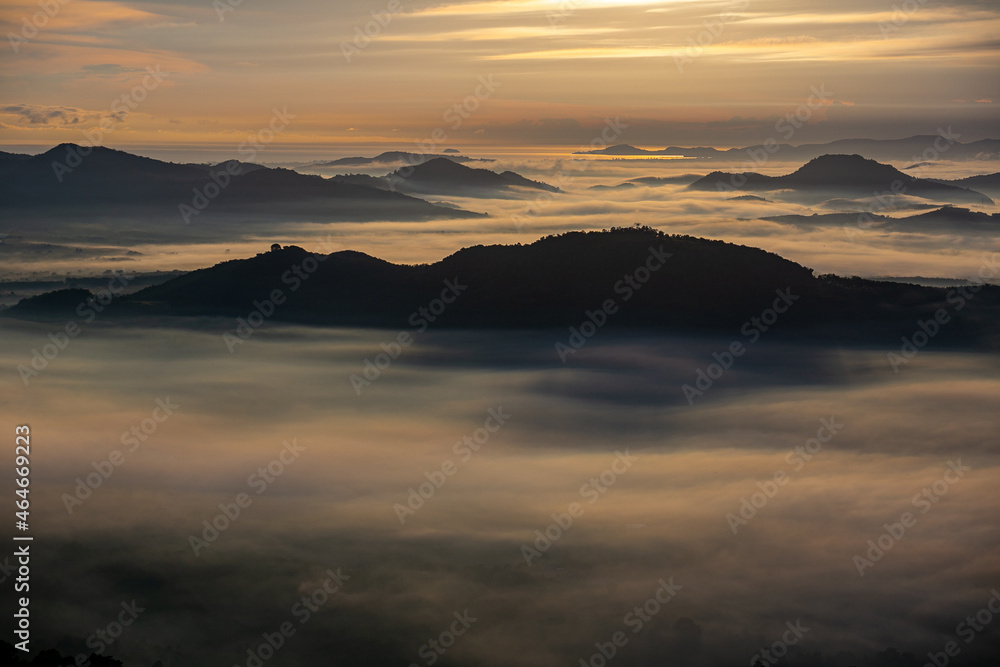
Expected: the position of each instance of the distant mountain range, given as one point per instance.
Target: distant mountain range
(948, 219)
(831, 176)
(441, 176)
(79, 182)
(910, 148)
(699, 285)
(391, 158)
(650, 181)
(986, 183)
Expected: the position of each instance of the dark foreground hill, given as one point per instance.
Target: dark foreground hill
(654, 280)
(77, 181)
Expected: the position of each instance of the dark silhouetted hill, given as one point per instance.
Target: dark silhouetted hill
(442, 176)
(986, 183)
(112, 182)
(703, 285)
(652, 181)
(947, 219)
(395, 157)
(842, 176)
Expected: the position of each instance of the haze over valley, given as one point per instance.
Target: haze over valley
(500, 333)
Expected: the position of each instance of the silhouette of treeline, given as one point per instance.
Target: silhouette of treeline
(703, 285)
(11, 657)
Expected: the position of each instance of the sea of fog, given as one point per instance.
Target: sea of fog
(141, 246)
(476, 501)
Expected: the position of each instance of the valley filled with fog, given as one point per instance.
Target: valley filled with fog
(424, 488)
(41, 250)
(509, 480)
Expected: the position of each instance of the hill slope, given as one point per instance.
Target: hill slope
(443, 176)
(85, 182)
(842, 176)
(699, 284)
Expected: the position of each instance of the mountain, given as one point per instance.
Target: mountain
(652, 181)
(78, 182)
(947, 219)
(441, 176)
(691, 284)
(831, 176)
(987, 183)
(748, 198)
(911, 149)
(395, 157)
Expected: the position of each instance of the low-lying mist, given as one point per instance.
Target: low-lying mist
(420, 482)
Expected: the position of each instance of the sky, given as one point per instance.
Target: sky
(521, 72)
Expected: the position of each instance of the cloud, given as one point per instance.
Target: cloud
(58, 116)
(109, 69)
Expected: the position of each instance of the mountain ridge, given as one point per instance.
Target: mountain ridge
(906, 148)
(845, 175)
(110, 181)
(700, 284)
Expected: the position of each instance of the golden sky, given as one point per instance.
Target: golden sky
(678, 71)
